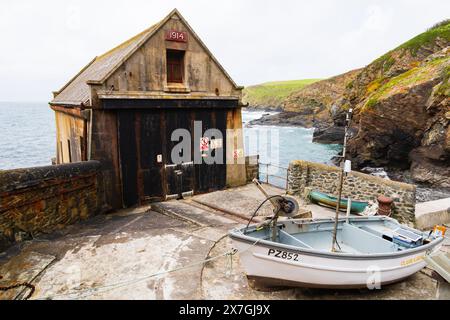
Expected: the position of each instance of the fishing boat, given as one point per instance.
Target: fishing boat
(347, 252)
(330, 201)
(370, 251)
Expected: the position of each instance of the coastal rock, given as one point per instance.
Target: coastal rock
(284, 119)
(403, 124)
(401, 104)
(377, 172)
(427, 171)
(329, 135)
(312, 106)
(316, 103)
(389, 131)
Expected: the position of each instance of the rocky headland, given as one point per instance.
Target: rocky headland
(401, 110)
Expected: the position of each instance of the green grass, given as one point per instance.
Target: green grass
(441, 30)
(444, 88)
(273, 92)
(407, 79)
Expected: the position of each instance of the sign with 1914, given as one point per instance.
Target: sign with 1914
(177, 36)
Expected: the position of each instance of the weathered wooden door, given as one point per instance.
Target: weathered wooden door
(211, 177)
(141, 151)
(128, 160)
(148, 172)
(179, 177)
(151, 155)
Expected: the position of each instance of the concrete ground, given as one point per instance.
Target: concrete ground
(431, 213)
(157, 252)
(243, 201)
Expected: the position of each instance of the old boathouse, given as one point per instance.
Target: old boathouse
(123, 107)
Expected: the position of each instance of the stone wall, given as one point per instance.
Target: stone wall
(43, 199)
(252, 167)
(304, 176)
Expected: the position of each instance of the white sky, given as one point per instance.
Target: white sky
(44, 43)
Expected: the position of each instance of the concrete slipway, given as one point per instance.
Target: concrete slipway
(126, 255)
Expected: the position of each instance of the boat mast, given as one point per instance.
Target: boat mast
(341, 176)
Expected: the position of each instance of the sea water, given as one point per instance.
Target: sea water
(28, 135)
(279, 145)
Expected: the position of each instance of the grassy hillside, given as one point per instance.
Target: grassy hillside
(405, 57)
(401, 102)
(273, 94)
(425, 72)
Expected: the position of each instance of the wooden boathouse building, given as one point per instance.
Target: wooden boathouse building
(123, 107)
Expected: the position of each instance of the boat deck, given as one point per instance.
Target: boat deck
(359, 236)
(323, 239)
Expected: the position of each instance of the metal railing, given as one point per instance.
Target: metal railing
(268, 175)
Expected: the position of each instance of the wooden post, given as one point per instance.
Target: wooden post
(260, 187)
(274, 229)
(275, 206)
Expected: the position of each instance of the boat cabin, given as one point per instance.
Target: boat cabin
(159, 112)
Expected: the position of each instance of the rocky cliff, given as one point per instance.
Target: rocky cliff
(315, 102)
(401, 103)
(311, 105)
(401, 106)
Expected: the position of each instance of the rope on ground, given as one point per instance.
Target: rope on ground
(18, 285)
(100, 289)
(209, 252)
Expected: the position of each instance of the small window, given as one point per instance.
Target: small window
(175, 66)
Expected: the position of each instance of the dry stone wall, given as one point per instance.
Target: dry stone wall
(304, 176)
(43, 199)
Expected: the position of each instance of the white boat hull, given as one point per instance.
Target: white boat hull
(274, 264)
(314, 271)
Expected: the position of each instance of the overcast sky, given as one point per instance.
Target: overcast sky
(44, 43)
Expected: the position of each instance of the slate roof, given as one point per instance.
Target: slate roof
(76, 91)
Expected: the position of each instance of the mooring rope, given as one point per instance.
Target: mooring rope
(100, 289)
(18, 285)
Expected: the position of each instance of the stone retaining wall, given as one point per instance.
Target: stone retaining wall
(304, 176)
(252, 168)
(43, 199)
